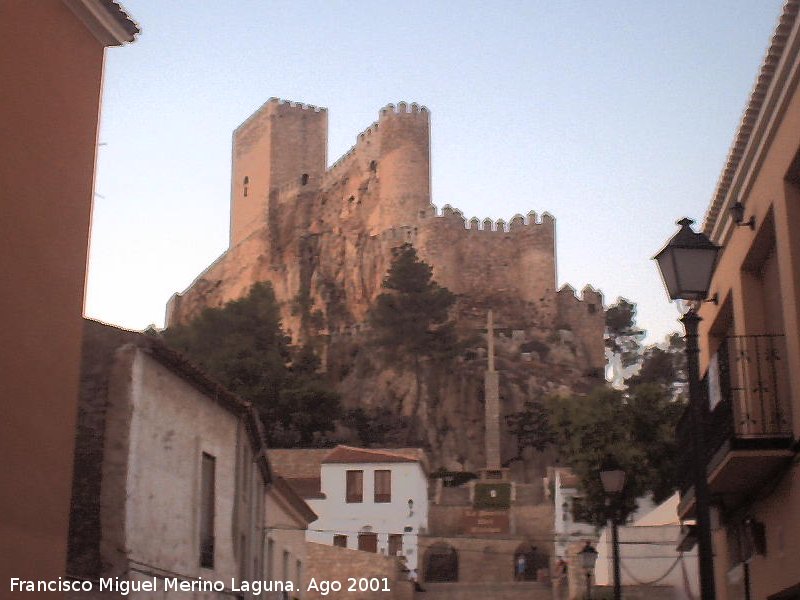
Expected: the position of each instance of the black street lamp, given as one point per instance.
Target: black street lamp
(687, 264)
(588, 559)
(613, 478)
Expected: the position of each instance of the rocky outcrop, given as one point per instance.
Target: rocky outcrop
(446, 413)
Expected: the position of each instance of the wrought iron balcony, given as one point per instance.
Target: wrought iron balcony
(748, 431)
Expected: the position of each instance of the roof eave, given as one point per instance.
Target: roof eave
(106, 19)
(758, 104)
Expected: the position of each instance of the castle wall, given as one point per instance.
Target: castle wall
(585, 317)
(325, 241)
(515, 260)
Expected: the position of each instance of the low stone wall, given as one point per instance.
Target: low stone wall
(354, 570)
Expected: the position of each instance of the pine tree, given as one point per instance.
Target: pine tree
(242, 345)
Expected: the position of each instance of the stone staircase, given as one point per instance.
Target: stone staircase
(511, 590)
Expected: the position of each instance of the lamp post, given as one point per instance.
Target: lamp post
(588, 559)
(687, 264)
(613, 478)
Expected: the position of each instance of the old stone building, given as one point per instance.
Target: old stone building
(323, 236)
(170, 473)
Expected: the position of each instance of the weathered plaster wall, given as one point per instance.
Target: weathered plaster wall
(136, 492)
(172, 425)
(284, 533)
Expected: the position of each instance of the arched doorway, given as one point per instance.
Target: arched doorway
(528, 562)
(441, 563)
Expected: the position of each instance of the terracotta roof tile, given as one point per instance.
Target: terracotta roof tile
(306, 487)
(295, 498)
(350, 454)
(292, 463)
(752, 113)
(117, 11)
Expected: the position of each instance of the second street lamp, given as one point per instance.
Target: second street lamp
(588, 559)
(687, 264)
(613, 478)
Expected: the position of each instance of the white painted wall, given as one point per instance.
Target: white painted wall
(337, 516)
(567, 530)
(648, 555)
(171, 424)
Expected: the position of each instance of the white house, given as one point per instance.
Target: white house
(567, 530)
(170, 471)
(369, 499)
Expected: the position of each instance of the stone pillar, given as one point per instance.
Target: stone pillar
(492, 401)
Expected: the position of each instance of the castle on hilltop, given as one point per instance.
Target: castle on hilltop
(323, 236)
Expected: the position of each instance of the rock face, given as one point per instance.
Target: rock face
(324, 238)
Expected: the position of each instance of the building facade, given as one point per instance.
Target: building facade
(750, 340)
(566, 529)
(170, 472)
(375, 500)
(52, 85)
(286, 554)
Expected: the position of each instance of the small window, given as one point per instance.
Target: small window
(340, 541)
(270, 557)
(207, 483)
(368, 542)
(383, 486)
(304, 179)
(355, 486)
(373, 166)
(592, 309)
(395, 544)
(245, 184)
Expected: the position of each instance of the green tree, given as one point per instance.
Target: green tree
(530, 428)
(622, 337)
(243, 346)
(664, 366)
(412, 317)
(378, 427)
(636, 427)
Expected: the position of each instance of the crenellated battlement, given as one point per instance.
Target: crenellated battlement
(290, 104)
(588, 294)
(368, 132)
(403, 108)
(273, 105)
(517, 223)
(344, 159)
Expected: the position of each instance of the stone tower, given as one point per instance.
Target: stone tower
(280, 144)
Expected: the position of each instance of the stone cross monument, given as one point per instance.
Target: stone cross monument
(492, 401)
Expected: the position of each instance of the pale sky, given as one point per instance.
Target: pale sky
(616, 117)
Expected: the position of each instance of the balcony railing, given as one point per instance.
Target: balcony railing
(747, 394)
